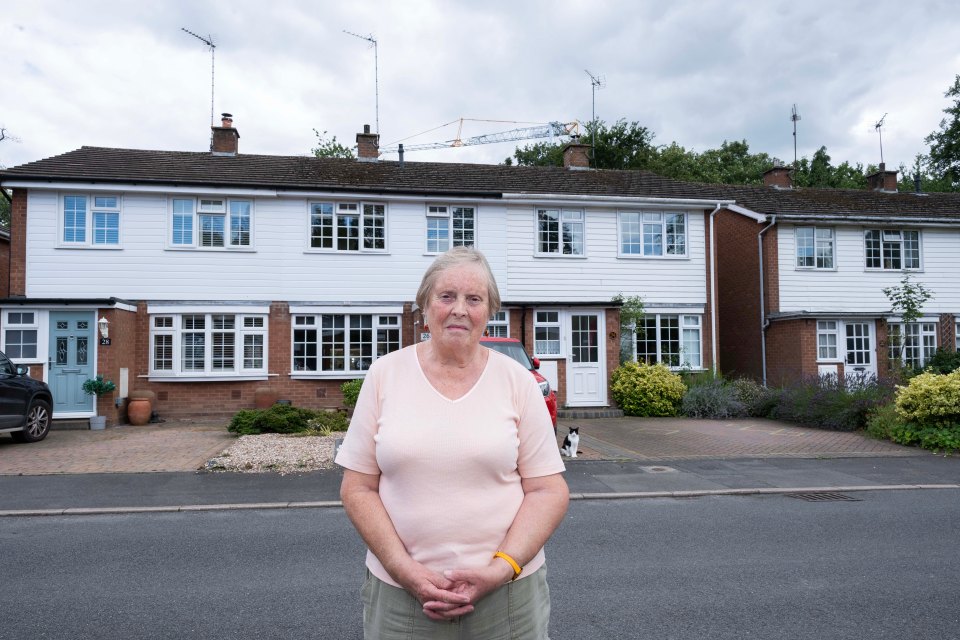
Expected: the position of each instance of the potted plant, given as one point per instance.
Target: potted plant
(98, 387)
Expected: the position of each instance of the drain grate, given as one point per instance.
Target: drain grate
(823, 497)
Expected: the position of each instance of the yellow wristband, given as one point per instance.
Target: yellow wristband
(517, 569)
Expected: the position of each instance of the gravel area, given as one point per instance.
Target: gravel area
(276, 453)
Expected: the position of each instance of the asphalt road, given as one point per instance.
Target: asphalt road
(882, 566)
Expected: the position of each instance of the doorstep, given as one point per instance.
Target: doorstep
(588, 413)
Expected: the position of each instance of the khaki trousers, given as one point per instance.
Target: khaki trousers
(518, 610)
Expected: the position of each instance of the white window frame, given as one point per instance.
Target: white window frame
(956, 335)
(380, 343)
(825, 330)
(453, 236)
(822, 248)
(33, 325)
(94, 204)
(574, 219)
(631, 234)
(237, 230)
(244, 325)
(370, 216)
(924, 333)
(499, 325)
(886, 239)
(547, 323)
(687, 325)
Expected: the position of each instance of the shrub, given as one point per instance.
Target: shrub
(712, 399)
(757, 400)
(646, 390)
(944, 361)
(351, 391)
(831, 403)
(883, 422)
(284, 418)
(931, 400)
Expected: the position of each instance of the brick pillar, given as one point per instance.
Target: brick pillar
(18, 243)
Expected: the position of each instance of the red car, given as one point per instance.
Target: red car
(513, 348)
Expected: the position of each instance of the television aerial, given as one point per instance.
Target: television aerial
(209, 42)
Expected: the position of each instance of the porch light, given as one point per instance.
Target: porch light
(104, 325)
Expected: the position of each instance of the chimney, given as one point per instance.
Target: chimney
(576, 155)
(224, 141)
(917, 183)
(882, 180)
(400, 149)
(368, 145)
(778, 177)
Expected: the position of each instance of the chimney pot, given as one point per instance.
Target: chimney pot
(368, 145)
(576, 155)
(778, 176)
(225, 140)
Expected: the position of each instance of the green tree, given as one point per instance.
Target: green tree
(330, 148)
(906, 300)
(818, 173)
(944, 158)
(622, 145)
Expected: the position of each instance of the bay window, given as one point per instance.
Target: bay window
(672, 340)
(208, 345)
(342, 342)
(912, 344)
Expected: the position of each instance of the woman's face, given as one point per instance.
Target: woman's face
(458, 307)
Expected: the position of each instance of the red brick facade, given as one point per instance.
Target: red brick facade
(18, 243)
(738, 294)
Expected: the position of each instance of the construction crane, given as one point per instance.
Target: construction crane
(551, 129)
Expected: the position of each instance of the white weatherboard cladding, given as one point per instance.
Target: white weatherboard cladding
(600, 275)
(853, 288)
(280, 266)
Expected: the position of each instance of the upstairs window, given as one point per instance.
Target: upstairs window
(449, 226)
(892, 249)
(814, 248)
(560, 232)
(348, 226)
(90, 221)
(653, 234)
(211, 223)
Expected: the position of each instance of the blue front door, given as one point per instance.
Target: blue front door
(71, 359)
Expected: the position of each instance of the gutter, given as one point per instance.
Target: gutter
(713, 289)
(763, 315)
(553, 198)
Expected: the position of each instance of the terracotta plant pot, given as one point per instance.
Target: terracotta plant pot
(138, 411)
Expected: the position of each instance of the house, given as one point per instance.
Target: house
(802, 271)
(206, 277)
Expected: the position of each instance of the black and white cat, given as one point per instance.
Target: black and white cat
(570, 443)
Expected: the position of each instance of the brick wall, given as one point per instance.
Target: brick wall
(4, 267)
(121, 353)
(738, 295)
(791, 351)
(18, 243)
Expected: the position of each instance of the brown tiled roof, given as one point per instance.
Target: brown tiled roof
(100, 164)
(295, 172)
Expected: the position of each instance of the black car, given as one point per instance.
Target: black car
(24, 403)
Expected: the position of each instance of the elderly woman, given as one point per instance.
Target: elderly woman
(452, 475)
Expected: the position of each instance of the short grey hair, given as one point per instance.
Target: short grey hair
(454, 258)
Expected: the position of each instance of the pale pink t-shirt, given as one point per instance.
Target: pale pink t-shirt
(450, 470)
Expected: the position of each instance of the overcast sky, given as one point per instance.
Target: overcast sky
(115, 73)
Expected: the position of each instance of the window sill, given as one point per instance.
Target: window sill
(206, 378)
(560, 256)
(327, 375)
(630, 256)
(359, 252)
(91, 247)
(214, 249)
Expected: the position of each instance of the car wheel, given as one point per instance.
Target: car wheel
(38, 423)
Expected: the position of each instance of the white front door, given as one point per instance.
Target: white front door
(586, 360)
(860, 360)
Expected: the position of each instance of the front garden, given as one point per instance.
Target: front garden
(924, 410)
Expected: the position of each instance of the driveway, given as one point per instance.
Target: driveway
(187, 445)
